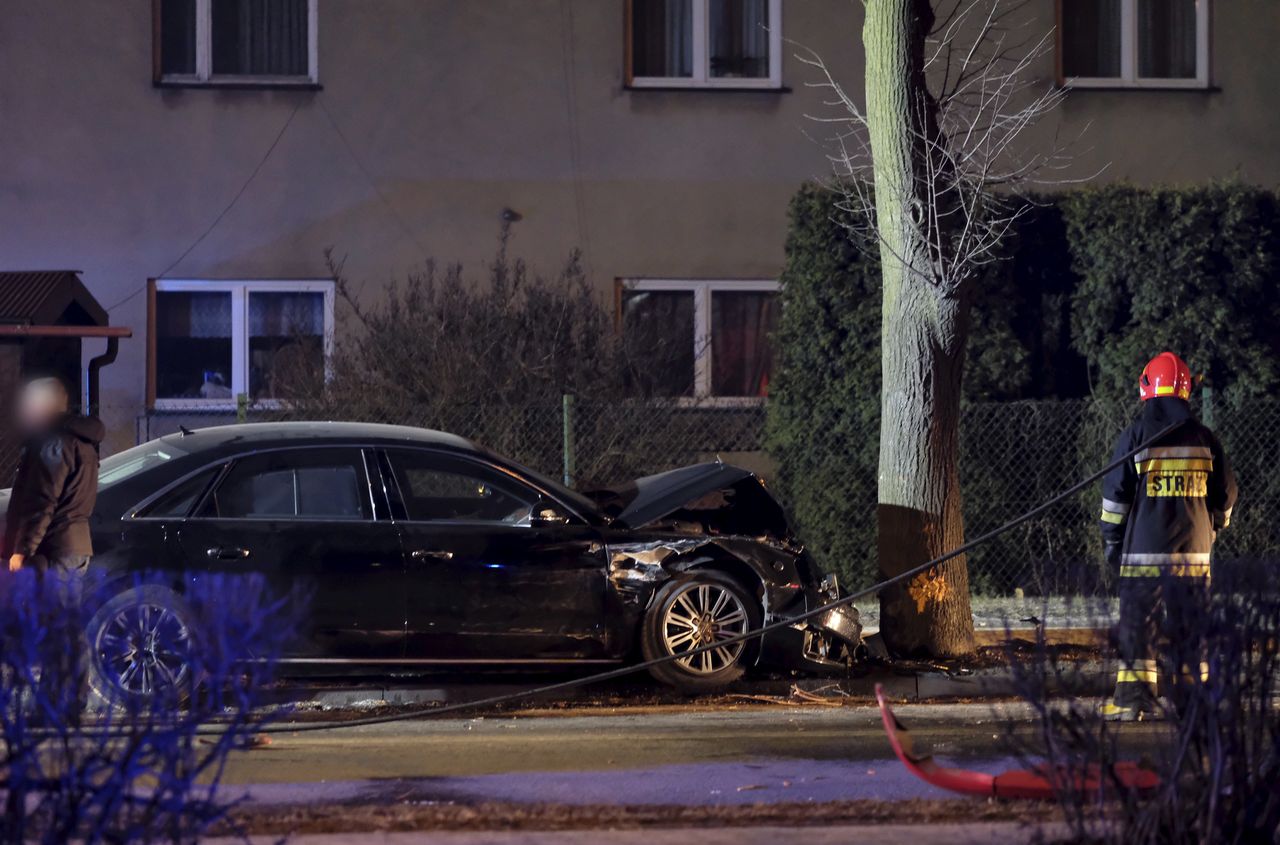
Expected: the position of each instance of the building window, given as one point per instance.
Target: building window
(705, 43)
(211, 42)
(708, 338)
(1134, 43)
(214, 341)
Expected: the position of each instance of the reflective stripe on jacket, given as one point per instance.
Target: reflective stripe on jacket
(1167, 503)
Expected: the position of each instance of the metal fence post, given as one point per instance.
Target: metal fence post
(242, 407)
(1206, 405)
(567, 445)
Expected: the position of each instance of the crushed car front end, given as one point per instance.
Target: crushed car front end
(721, 517)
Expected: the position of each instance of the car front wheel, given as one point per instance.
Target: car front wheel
(699, 609)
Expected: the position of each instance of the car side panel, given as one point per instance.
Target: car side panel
(346, 580)
(505, 593)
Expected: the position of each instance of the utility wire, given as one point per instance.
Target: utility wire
(244, 187)
(368, 177)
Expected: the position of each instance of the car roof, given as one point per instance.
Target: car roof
(288, 433)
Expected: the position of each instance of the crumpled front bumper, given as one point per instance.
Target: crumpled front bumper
(820, 643)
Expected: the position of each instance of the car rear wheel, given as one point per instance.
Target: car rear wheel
(140, 647)
(699, 609)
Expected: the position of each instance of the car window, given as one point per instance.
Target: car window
(436, 487)
(179, 501)
(125, 465)
(583, 504)
(301, 483)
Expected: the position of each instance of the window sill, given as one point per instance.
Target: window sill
(179, 407)
(700, 403)
(246, 83)
(707, 89)
(1150, 87)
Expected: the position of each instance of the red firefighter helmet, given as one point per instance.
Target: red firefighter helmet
(1165, 375)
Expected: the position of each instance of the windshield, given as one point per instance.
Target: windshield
(569, 495)
(125, 465)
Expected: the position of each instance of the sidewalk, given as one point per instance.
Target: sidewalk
(889, 834)
(993, 614)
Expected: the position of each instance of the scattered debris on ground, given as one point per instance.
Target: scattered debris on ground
(633, 696)
(830, 695)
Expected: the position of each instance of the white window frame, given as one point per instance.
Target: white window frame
(702, 78)
(240, 290)
(1128, 77)
(702, 289)
(204, 74)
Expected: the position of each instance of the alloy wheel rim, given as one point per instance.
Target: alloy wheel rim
(143, 649)
(702, 615)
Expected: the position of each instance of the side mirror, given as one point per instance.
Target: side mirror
(545, 514)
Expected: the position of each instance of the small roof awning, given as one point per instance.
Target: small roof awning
(51, 303)
(47, 298)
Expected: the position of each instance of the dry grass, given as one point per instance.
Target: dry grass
(411, 816)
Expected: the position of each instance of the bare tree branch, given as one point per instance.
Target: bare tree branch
(985, 93)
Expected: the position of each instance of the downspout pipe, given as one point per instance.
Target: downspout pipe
(90, 390)
(93, 376)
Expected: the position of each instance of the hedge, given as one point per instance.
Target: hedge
(1193, 270)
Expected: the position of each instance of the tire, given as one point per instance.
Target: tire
(716, 605)
(139, 647)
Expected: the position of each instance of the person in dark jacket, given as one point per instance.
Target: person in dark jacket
(56, 486)
(1161, 512)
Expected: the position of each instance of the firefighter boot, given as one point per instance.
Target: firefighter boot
(1112, 712)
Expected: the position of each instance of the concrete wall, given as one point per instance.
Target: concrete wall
(434, 115)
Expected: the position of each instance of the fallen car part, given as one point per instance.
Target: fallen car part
(840, 622)
(1041, 783)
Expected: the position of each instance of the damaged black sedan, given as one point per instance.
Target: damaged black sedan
(418, 549)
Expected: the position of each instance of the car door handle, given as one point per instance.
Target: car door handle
(431, 554)
(227, 553)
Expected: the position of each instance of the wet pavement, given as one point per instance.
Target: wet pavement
(746, 782)
(746, 755)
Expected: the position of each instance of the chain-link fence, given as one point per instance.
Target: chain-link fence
(1014, 456)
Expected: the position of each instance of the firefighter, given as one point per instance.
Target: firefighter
(1161, 511)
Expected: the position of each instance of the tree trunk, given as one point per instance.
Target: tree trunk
(923, 330)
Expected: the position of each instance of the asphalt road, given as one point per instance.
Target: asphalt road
(668, 755)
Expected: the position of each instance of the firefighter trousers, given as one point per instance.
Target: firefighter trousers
(1159, 633)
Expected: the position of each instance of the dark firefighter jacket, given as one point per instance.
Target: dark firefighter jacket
(1167, 503)
(55, 490)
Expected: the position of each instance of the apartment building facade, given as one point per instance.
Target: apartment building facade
(194, 159)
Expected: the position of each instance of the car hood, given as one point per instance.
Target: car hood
(726, 498)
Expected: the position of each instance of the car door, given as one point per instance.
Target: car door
(486, 581)
(305, 518)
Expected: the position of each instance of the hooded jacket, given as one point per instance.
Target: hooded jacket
(54, 491)
(1167, 504)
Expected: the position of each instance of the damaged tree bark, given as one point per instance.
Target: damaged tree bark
(923, 333)
(918, 515)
